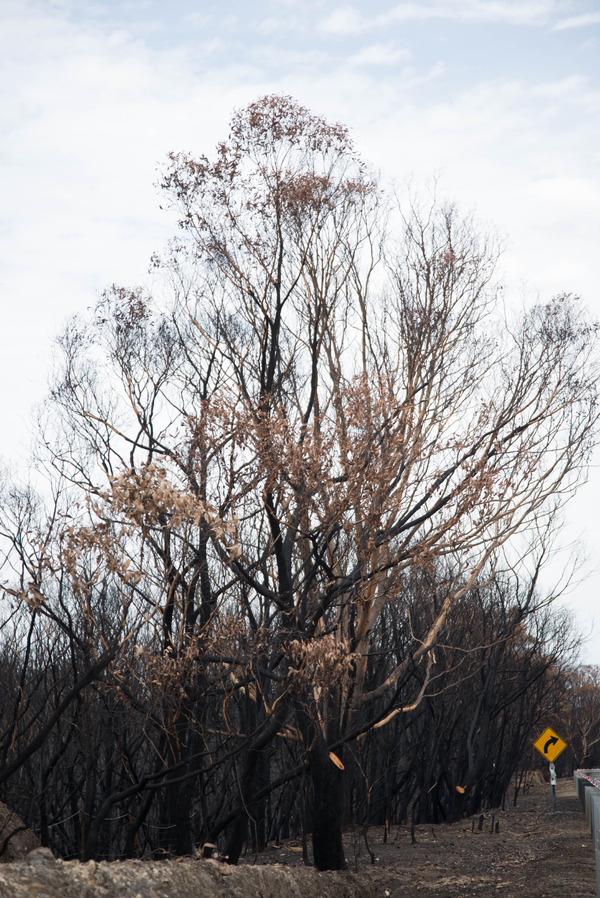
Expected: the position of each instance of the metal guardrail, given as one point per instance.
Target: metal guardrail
(587, 783)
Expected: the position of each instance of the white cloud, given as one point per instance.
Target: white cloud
(344, 21)
(379, 55)
(86, 115)
(271, 25)
(518, 12)
(582, 21)
(572, 84)
(304, 64)
(348, 20)
(198, 19)
(563, 196)
(229, 21)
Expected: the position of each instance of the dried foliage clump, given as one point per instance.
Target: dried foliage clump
(321, 664)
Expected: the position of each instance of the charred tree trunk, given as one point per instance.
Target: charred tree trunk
(328, 808)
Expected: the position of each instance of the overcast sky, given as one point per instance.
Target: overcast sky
(500, 99)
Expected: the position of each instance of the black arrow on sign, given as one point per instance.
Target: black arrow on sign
(550, 742)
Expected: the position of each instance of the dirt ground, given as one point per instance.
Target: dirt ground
(523, 852)
(534, 854)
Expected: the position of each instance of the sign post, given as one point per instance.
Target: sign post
(553, 784)
(550, 746)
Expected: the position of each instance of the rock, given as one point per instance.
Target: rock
(20, 839)
(40, 857)
(44, 877)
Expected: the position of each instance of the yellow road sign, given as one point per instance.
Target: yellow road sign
(550, 745)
